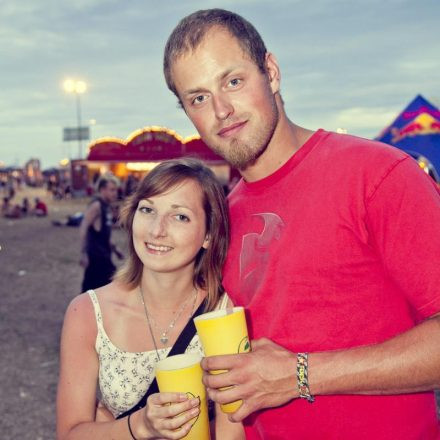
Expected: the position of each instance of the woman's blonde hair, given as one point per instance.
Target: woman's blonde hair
(209, 262)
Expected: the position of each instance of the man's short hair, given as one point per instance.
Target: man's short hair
(190, 31)
(105, 179)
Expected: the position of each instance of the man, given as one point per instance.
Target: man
(333, 253)
(95, 232)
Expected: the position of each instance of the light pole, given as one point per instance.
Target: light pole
(77, 87)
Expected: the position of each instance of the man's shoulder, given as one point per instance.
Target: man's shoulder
(361, 147)
(347, 152)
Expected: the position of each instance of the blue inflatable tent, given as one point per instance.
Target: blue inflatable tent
(417, 131)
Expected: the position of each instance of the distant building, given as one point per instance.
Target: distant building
(139, 153)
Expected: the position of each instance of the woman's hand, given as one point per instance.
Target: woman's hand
(166, 416)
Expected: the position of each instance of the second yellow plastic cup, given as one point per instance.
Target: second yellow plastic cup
(224, 332)
(182, 373)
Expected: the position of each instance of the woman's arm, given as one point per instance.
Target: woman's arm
(78, 377)
(102, 413)
(224, 429)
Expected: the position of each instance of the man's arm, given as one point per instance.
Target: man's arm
(91, 214)
(407, 363)
(266, 377)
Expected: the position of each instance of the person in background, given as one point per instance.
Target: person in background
(11, 210)
(334, 245)
(177, 230)
(40, 208)
(95, 235)
(25, 206)
(6, 204)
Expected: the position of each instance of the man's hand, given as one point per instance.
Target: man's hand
(263, 378)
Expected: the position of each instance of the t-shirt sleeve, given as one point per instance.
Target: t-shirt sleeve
(403, 217)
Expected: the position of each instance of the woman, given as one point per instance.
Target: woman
(178, 235)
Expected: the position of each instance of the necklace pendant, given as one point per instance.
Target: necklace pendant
(164, 339)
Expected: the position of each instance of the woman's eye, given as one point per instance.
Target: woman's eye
(182, 218)
(145, 209)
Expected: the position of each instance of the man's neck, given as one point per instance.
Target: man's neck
(287, 139)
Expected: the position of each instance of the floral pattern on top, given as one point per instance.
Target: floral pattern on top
(124, 376)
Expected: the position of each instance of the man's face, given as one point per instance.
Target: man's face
(110, 192)
(229, 100)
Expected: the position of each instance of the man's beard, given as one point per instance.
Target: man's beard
(242, 153)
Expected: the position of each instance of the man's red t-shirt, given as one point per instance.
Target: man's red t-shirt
(338, 248)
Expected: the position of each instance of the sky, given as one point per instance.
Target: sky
(350, 64)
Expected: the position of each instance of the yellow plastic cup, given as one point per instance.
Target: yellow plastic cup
(182, 373)
(224, 332)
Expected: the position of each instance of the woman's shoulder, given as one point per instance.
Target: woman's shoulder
(85, 299)
(111, 296)
(79, 321)
(109, 293)
(80, 305)
(82, 312)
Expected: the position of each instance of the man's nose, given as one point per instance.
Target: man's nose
(222, 107)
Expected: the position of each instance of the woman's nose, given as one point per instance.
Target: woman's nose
(158, 227)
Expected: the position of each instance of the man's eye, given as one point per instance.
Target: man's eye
(235, 82)
(199, 99)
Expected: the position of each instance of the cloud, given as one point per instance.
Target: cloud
(357, 119)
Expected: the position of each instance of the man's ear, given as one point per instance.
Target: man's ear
(273, 72)
(206, 242)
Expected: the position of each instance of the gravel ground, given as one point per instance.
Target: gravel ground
(39, 275)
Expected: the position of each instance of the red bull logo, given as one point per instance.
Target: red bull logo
(425, 123)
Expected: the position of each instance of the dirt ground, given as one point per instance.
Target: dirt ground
(39, 275)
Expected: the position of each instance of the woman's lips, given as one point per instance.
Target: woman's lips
(157, 249)
(231, 129)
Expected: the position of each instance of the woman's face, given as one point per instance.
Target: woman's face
(169, 229)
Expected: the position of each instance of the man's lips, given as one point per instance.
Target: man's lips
(231, 129)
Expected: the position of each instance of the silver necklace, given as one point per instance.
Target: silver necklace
(164, 334)
(141, 294)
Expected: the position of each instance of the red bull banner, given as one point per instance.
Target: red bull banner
(417, 131)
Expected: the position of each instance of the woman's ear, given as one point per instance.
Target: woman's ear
(206, 242)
